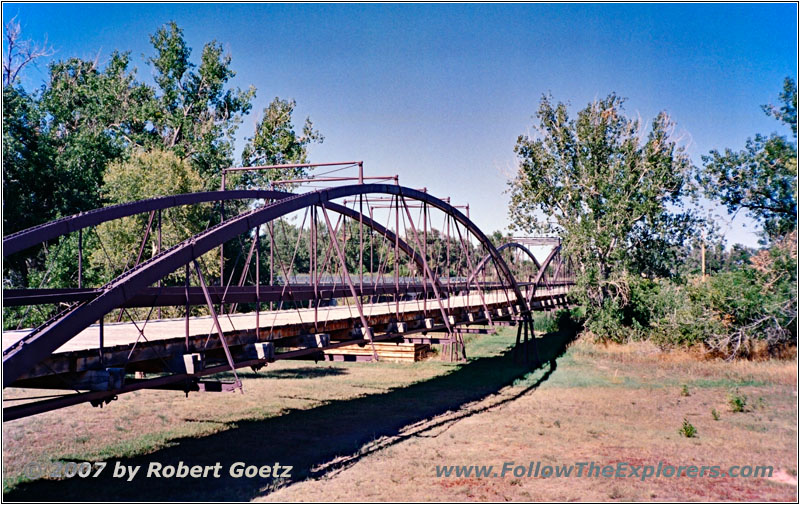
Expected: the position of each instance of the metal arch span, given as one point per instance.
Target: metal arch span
(37, 346)
(482, 264)
(29, 237)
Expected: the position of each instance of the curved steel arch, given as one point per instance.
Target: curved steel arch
(31, 236)
(482, 263)
(541, 267)
(35, 347)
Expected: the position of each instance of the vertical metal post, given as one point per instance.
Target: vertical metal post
(186, 313)
(397, 258)
(361, 243)
(258, 282)
(102, 338)
(311, 276)
(271, 257)
(371, 253)
(425, 255)
(313, 261)
(160, 281)
(80, 258)
(222, 246)
(447, 238)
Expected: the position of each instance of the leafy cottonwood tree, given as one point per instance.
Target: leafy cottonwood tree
(761, 178)
(197, 114)
(93, 115)
(276, 142)
(58, 141)
(610, 192)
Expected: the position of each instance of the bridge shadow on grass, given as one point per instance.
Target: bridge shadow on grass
(314, 442)
(303, 372)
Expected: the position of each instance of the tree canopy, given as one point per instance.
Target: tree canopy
(611, 192)
(762, 177)
(94, 134)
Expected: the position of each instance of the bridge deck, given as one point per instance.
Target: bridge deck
(167, 337)
(163, 329)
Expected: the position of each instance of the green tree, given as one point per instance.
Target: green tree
(93, 115)
(28, 182)
(611, 193)
(147, 175)
(761, 178)
(753, 306)
(197, 114)
(276, 142)
(58, 142)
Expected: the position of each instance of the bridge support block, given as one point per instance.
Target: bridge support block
(192, 363)
(109, 379)
(453, 349)
(398, 327)
(265, 351)
(360, 332)
(315, 340)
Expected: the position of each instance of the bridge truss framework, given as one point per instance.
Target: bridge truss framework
(421, 290)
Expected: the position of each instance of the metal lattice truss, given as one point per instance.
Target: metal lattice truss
(410, 288)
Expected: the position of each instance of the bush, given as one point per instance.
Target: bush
(656, 310)
(753, 304)
(732, 313)
(687, 430)
(737, 402)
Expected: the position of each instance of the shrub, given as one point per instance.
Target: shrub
(687, 430)
(737, 402)
(732, 313)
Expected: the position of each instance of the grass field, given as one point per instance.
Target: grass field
(377, 431)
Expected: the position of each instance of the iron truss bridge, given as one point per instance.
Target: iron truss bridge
(278, 275)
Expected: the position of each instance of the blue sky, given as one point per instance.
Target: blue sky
(439, 93)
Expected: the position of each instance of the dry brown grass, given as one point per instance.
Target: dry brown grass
(628, 409)
(352, 437)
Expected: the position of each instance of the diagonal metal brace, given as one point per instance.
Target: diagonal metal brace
(216, 323)
(364, 323)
